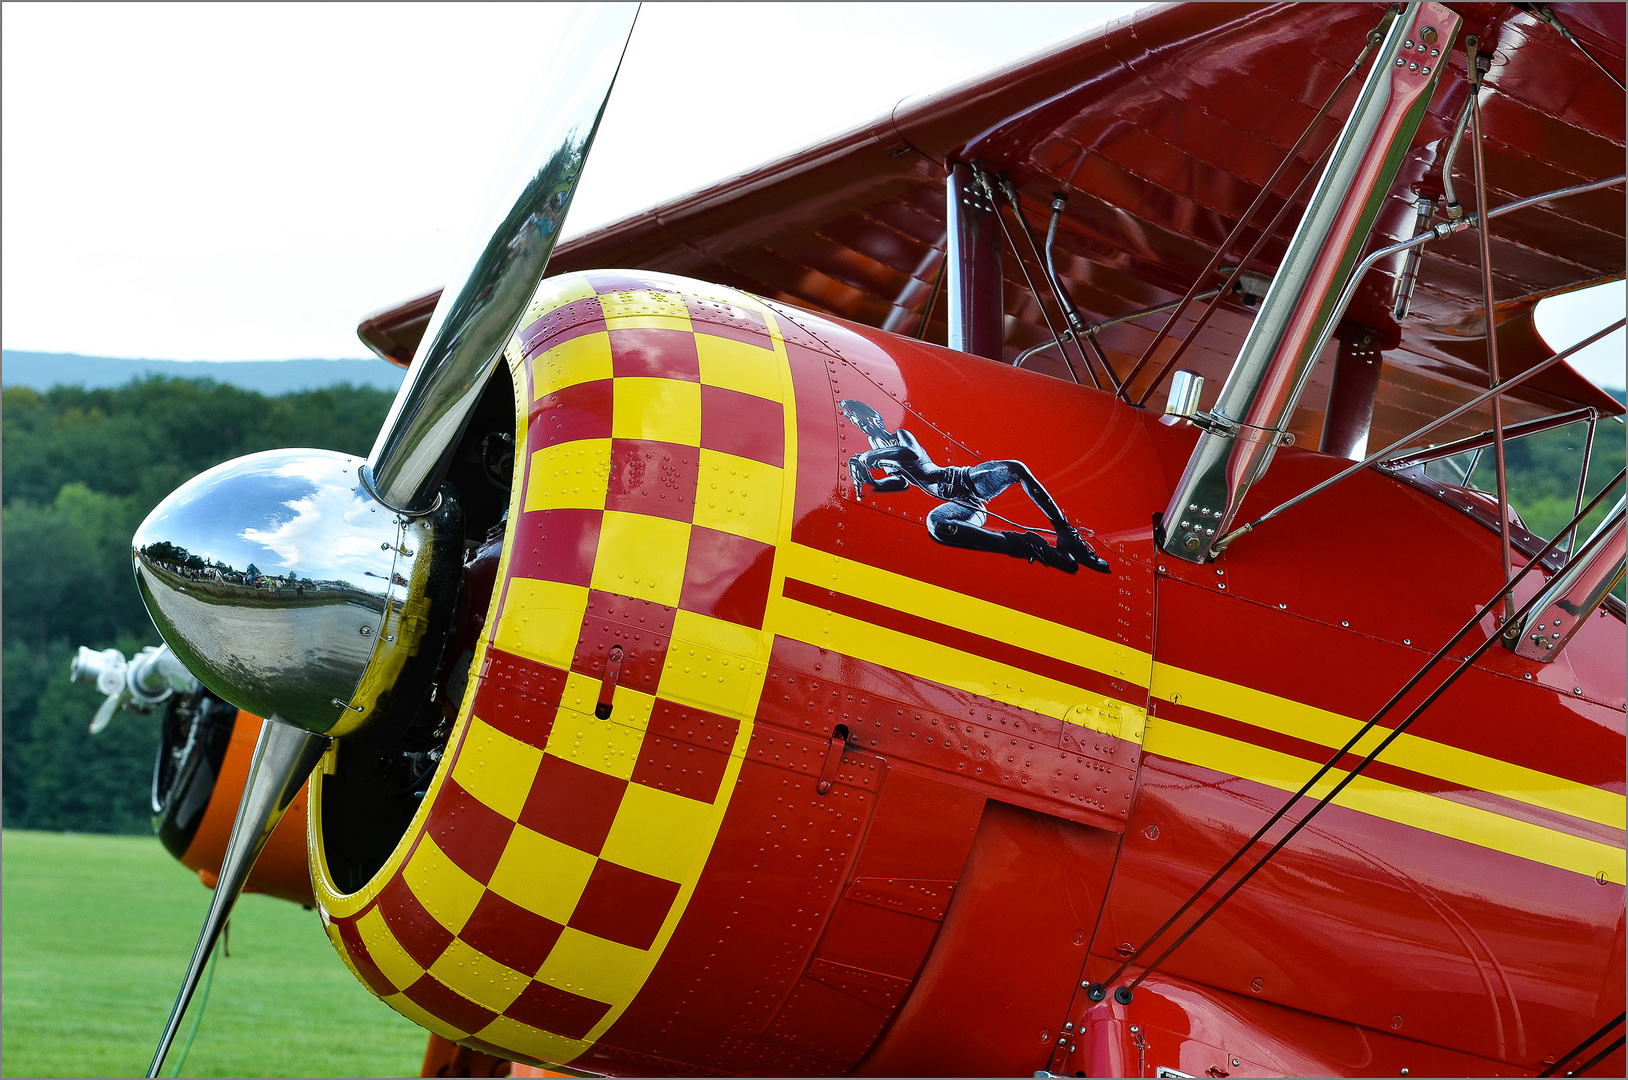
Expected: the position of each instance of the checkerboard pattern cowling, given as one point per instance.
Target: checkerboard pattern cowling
(560, 849)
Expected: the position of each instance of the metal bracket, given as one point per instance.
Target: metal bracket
(833, 759)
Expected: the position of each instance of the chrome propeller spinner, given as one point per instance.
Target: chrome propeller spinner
(313, 588)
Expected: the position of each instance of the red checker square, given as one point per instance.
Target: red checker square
(556, 545)
(653, 353)
(630, 612)
(668, 765)
(423, 938)
(654, 478)
(638, 627)
(697, 727)
(743, 424)
(565, 322)
(729, 321)
(510, 934)
(581, 411)
(359, 955)
(623, 905)
(727, 577)
(612, 281)
(574, 805)
(471, 833)
(518, 696)
(560, 1011)
(445, 1003)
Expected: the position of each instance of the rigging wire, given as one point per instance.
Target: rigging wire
(1123, 994)
(1597, 1058)
(932, 297)
(1059, 297)
(198, 1011)
(1483, 236)
(1374, 37)
(1584, 1045)
(1232, 278)
(985, 183)
(1407, 440)
(1076, 322)
(1542, 13)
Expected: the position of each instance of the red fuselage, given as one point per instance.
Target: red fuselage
(881, 794)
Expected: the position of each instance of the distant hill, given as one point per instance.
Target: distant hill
(42, 371)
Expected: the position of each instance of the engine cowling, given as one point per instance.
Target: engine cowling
(731, 829)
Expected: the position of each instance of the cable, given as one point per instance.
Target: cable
(984, 182)
(1374, 37)
(198, 1011)
(1584, 1045)
(1596, 1059)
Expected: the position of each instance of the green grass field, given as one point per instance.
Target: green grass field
(97, 933)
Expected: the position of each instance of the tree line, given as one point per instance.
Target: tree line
(82, 468)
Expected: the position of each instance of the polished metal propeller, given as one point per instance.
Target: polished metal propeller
(309, 587)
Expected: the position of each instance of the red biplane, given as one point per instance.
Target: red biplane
(997, 592)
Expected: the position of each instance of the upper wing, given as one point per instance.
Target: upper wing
(1161, 129)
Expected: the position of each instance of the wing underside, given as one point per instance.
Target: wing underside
(1161, 130)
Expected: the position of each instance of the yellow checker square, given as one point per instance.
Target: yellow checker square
(662, 834)
(542, 875)
(594, 967)
(644, 309)
(412, 1011)
(641, 557)
(738, 495)
(743, 641)
(661, 410)
(738, 365)
(447, 893)
(711, 678)
(541, 620)
(586, 358)
(388, 956)
(604, 746)
(555, 292)
(569, 476)
(496, 768)
(533, 1042)
(478, 977)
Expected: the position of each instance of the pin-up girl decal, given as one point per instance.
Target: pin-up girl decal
(958, 520)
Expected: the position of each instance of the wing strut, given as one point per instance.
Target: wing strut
(1260, 392)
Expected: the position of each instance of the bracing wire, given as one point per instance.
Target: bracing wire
(1122, 994)
(197, 1012)
(1560, 1061)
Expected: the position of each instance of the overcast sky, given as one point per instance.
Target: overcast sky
(230, 182)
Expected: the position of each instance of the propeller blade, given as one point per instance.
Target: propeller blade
(315, 619)
(513, 238)
(283, 757)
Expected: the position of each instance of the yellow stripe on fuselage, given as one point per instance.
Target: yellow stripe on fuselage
(1016, 686)
(1417, 809)
(1463, 767)
(954, 667)
(981, 617)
